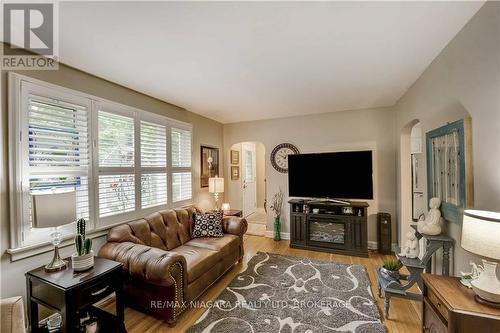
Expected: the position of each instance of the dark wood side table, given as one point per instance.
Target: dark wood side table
(449, 306)
(70, 293)
(233, 212)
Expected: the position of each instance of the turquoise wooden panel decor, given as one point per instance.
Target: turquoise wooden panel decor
(452, 206)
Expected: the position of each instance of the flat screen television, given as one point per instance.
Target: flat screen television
(340, 175)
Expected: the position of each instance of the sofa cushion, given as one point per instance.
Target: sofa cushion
(198, 259)
(223, 244)
(207, 225)
(185, 216)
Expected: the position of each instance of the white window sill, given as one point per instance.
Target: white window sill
(35, 249)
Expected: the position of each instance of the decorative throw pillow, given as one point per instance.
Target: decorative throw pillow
(208, 225)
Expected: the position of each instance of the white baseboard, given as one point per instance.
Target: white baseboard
(284, 235)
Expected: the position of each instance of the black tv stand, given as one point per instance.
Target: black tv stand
(329, 226)
(328, 200)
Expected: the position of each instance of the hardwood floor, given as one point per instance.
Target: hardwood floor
(405, 315)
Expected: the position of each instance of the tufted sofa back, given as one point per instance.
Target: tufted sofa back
(166, 229)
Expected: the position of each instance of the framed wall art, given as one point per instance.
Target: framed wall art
(449, 168)
(235, 157)
(235, 172)
(209, 164)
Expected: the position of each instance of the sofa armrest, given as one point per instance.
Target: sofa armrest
(149, 264)
(234, 225)
(12, 314)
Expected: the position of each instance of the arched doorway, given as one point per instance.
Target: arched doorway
(247, 184)
(410, 147)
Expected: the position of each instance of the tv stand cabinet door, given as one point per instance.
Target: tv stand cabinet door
(298, 232)
(358, 234)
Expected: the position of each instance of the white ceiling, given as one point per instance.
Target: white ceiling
(246, 61)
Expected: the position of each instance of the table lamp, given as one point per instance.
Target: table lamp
(481, 236)
(216, 186)
(51, 210)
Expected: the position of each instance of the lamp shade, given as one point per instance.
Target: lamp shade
(53, 209)
(481, 233)
(216, 185)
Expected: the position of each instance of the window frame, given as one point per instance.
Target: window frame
(18, 158)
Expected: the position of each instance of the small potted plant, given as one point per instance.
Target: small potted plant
(276, 207)
(390, 270)
(83, 259)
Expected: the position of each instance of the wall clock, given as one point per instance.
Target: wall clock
(279, 156)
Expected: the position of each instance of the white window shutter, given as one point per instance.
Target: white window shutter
(181, 186)
(58, 143)
(57, 135)
(153, 189)
(181, 148)
(116, 140)
(116, 194)
(153, 145)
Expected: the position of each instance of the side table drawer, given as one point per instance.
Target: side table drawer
(47, 293)
(432, 321)
(95, 292)
(438, 304)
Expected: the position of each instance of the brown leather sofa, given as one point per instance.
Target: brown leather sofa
(164, 267)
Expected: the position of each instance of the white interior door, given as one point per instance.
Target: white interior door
(249, 185)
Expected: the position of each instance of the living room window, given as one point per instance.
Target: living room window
(122, 163)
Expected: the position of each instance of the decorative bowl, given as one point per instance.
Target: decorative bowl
(388, 274)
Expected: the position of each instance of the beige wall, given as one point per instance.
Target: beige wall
(232, 192)
(260, 156)
(205, 132)
(336, 131)
(465, 80)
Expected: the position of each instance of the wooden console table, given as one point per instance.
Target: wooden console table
(434, 243)
(448, 306)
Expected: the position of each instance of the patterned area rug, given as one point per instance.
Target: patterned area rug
(291, 294)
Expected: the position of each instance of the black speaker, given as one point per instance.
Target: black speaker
(384, 233)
